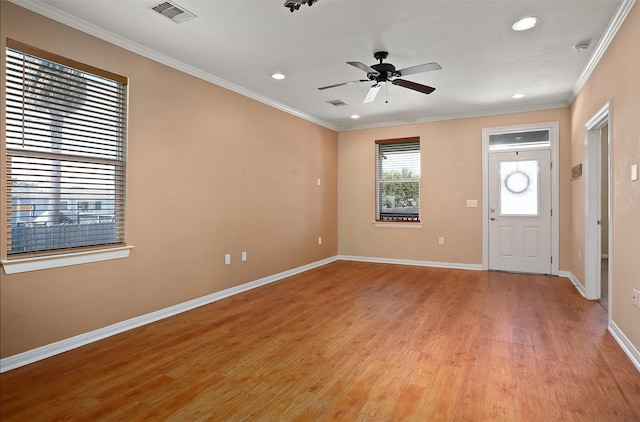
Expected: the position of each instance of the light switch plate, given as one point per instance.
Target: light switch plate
(634, 172)
(472, 203)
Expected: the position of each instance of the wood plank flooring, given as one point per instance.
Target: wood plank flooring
(353, 342)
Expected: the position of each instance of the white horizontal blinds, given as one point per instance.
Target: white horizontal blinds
(398, 179)
(65, 139)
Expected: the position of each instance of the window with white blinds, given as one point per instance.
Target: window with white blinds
(65, 154)
(398, 180)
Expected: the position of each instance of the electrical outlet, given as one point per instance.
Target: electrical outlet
(244, 256)
(227, 259)
(441, 241)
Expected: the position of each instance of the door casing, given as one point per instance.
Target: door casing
(592, 196)
(553, 128)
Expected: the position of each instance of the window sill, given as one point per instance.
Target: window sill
(397, 224)
(22, 265)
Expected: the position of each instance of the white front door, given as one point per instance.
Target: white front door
(520, 211)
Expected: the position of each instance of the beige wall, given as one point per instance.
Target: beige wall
(616, 79)
(451, 174)
(209, 172)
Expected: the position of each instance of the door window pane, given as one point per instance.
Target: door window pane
(519, 188)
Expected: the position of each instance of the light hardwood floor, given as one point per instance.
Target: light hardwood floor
(354, 342)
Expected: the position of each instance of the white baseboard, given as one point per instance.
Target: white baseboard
(626, 345)
(574, 281)
(615, 331)
(437, 264)
(34, 355)
(43, 352)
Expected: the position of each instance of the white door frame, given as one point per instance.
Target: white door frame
(553, 128)
(592, 203)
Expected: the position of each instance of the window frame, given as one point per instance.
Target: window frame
(73, 255)
(397, 222)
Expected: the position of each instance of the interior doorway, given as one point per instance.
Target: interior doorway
(598, 253)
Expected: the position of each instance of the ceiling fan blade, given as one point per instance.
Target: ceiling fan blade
(343, 83)
(413, 85)
(371, 95)
(363, 67)
(427, 67)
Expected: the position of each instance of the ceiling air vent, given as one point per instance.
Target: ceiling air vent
(174, 12)
(337, 102)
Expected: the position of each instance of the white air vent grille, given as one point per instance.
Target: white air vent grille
(337, 102)
(174, 12)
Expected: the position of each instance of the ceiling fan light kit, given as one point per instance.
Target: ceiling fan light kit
(381, 73)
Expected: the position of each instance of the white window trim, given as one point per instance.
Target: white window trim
(22, 265)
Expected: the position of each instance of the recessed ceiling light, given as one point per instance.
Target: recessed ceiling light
(278, 76)
(355, 116)
(525, 23)
(518, 95)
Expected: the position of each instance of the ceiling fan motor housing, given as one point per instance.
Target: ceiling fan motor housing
(385, 71)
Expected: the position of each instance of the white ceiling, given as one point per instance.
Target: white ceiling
(239, 43)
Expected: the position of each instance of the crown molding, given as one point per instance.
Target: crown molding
(603, 44)
(43, 9)
(457, 116)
